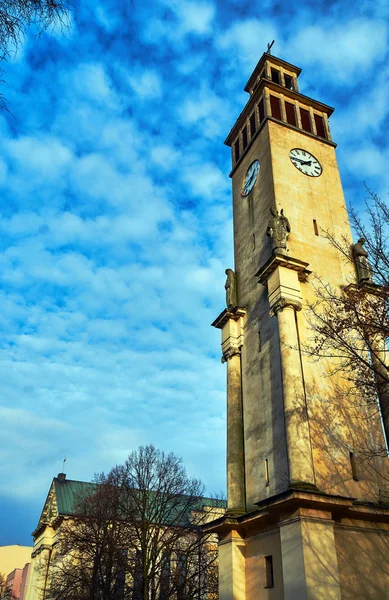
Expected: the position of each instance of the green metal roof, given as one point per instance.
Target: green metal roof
(68, 491)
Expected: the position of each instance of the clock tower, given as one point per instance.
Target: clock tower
(306, 515)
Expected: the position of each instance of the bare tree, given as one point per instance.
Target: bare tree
(16, 16)
(352, 325)
(138, 534)
(5, 592)
(89, 560)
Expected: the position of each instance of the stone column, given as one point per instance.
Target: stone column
(312, 120)
(298, 116)
(283, 109)
(285, 300)
(327, 127)
(267, 102)
(231, 322)
(235, 449)
(379, 354)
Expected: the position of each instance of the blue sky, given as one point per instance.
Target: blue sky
(115, 221)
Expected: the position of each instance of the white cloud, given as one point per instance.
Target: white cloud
(368, 159)
(212, 182)
(90, 80)
(107, 17)
(146, 83)
(200, 108)
(244, 39)
(43, 158)
(368, 109)
(165, 156)
(344, 49)
(194, 18)
(202, 105)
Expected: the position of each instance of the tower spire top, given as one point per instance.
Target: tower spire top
(269, 47)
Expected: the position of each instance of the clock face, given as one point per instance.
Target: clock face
(305, 162)
(250, 178)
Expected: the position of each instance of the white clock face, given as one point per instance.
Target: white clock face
(250, 178)
(305, 162)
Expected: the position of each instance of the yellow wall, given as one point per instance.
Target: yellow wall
(363, 562)
(14, 557)
(257, 547)
(42, 555)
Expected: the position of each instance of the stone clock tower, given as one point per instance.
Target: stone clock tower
(306, 514)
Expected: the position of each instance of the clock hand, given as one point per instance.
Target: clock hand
(248, 182)
(303, 162)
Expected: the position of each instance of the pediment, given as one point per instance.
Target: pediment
(50, 509)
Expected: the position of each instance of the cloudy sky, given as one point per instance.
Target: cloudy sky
(115, 220)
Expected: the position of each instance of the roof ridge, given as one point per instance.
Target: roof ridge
(95, 483)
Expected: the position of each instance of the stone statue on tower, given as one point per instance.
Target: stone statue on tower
(361, 260)
(278, 229)
(230, 287)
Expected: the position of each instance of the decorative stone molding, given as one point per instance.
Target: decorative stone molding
(367, 287)
(230, 352)
(284, 290)
(40, 549)
(283, 276)
(231, 322)
(282, 303)
(279, 260)
(228, 313)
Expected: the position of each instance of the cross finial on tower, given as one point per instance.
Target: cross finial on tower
(269, 46)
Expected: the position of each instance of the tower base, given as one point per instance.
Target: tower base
(302, 545)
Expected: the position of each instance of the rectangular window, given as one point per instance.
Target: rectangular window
(237, 150)
(120, 578)
(259, 341)
(165, 577)
(353, 466)
(244, 137)
(275, 107)
(275, 76)
(181, 577)
(137, 590)
(290, 114)
(269, 576)
(315, 227)
(253, 127)
(261, 110)
(253, 241)
(288, 82)
(319, 122)
(267, 472)
(305, 120)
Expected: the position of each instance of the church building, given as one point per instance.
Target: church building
(65, 507)
(307, 516)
